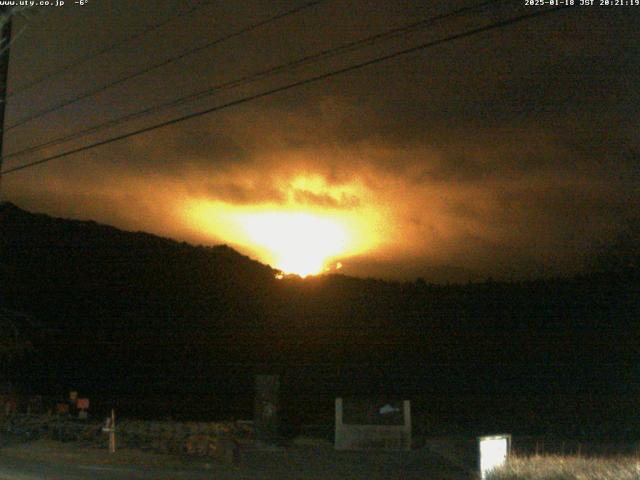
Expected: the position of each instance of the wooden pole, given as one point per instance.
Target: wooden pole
(112, 433)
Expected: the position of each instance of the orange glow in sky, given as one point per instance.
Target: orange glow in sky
(300, 243)
(294, 238)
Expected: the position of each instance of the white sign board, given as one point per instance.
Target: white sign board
(494, 451)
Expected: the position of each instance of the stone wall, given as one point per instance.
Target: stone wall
(192, 438)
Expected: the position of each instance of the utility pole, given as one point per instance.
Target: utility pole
(5, 43)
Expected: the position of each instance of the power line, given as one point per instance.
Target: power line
(168, 61)
(323, 54)
(306, 81)
(107, 49)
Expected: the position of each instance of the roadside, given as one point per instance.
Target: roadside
(309, 459)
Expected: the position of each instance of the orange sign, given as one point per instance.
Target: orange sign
(83, 404)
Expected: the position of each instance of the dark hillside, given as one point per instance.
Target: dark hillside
(132, 315)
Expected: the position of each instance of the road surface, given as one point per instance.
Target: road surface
(300, 463)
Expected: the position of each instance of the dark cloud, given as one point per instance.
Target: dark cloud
(514, 151)
(306, 197)
(245, 195)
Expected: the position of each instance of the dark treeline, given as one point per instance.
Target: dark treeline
(135, 316)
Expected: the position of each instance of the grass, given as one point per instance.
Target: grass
(556, 467)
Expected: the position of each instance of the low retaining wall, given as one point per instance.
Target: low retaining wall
(194, 438)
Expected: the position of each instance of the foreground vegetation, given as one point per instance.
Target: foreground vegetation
(556, 467)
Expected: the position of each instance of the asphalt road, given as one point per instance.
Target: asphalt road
(286, 464)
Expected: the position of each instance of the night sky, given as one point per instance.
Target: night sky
(511, 153)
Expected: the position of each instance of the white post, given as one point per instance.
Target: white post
(493, 452)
